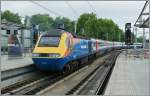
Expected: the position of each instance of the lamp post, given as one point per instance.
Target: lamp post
(135, 35)
(149, 30)
(75, 26)
(143, 38)
(0, 43)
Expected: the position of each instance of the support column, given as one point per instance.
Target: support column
(107, 36)
(0, 43)
(149, 30)
(75, 27)
(135, 35)
(22, 42)
(143, 39)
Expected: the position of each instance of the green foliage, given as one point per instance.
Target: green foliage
(11, 17)
(140, 39)
(81, 24)
(43, 20)
(89, 25)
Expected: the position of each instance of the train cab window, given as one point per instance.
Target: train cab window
(47, 41)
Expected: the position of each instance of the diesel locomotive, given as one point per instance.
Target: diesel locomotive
(59, 50)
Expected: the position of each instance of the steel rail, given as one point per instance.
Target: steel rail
(84, 87)
(21, 80)
(7, 74)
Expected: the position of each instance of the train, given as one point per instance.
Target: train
(60, 50)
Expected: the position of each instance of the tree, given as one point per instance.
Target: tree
(87, 25)
(140, 39)
(11, 17)
(81, 24)
(90, 26)
(44, 21)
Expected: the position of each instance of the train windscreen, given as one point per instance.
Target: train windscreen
(47, 41)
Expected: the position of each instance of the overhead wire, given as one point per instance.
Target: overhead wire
(92, 7)
(74, 11)
(49, 10)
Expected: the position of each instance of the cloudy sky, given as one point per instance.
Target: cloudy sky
(120, 12)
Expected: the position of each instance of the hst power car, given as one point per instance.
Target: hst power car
(58, 50)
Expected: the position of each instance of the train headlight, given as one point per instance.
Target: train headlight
(35, 55)
(54, 55)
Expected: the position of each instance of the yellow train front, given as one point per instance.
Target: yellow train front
(55, 49)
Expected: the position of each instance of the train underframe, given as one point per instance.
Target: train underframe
(72, 65)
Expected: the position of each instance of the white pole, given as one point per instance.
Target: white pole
(75, 27)
(0, 44)
(149, 30)
(135, 35)
(107, 36)
(143, 38)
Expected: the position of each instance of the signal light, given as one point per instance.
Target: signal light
(128, 35)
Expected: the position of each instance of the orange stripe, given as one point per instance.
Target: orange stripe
(66, 52)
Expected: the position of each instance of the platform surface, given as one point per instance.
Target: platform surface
(15, 62)
(131, 76)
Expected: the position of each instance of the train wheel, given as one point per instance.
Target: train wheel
(76, 65)
(67, 68)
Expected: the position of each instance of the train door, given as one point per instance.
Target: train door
(90, 46)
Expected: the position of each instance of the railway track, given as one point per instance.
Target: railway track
(15, 78)
(74, 83)
(35, 85)
(95, 84)
(43, 83)
(11, 73)
(28, 82)
(21, 80)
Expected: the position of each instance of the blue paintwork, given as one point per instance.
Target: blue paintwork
(51, 64)
(79, 50)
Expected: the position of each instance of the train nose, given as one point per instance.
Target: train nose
(49, 64)
(45, 63)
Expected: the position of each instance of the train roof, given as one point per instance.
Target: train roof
(54, 32)
(60, 31)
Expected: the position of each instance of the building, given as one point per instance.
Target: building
(24, 35)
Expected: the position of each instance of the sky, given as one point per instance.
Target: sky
(120, 12)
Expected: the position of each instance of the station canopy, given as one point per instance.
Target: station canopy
(143, 19)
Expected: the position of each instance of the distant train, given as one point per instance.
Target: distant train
(60, 50)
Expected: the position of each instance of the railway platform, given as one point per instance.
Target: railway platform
(130, 75)
(8, 63)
